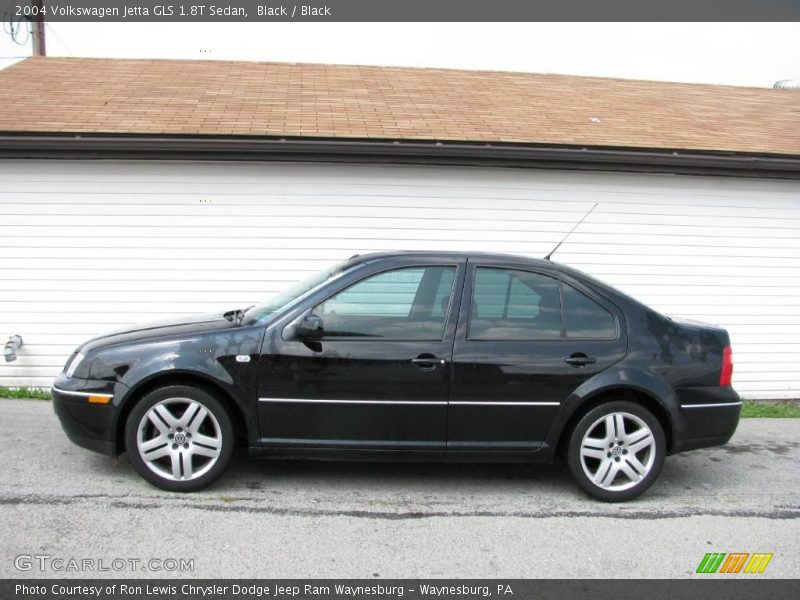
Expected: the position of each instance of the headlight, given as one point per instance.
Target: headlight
(74, 364)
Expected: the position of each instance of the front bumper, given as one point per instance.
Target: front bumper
(709, 417)
(88, 424)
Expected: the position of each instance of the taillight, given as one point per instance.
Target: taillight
(727, 367)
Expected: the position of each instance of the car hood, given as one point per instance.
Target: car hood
(187, 325)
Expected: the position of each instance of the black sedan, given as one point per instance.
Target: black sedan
(411, 356)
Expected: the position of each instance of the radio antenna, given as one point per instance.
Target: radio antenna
(569, 233)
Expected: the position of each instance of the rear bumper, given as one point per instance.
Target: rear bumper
(91, 426)
(708, 417)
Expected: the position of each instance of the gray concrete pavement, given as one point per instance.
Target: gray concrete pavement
(306, 519)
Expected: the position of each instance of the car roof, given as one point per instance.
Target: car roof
(450, 255)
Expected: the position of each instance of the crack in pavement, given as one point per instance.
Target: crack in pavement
(774, 513)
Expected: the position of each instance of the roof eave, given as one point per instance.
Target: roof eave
(18, 145)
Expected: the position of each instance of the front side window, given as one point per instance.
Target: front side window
(514, 305)
(407, 304)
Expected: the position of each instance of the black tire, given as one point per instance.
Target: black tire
(213, 435)
(615, 484)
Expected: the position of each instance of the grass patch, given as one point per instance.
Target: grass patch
(784, 410)
(24, 392)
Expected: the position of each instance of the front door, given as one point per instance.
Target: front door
(379, 376)
(525, 341)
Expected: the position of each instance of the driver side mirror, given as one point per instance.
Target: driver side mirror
(310, 328)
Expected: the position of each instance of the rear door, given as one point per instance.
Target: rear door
(526, 339)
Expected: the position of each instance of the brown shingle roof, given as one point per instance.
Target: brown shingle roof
(275, 99)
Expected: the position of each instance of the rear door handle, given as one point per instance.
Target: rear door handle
(579, 359)
(428, 362)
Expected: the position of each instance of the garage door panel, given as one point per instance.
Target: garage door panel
(146, 295)
(669, 240)
(667, 266)
(622, 250)
(326, 235)
(164, 287)
(86, 247)
(270, 225)
(84, 309)
(298, 206)
(147, 264)
(292, 225)
(112, 271)
(705, 232)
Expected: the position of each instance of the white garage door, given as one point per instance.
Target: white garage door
(86, 247)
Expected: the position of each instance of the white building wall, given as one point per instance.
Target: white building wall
(87, 247)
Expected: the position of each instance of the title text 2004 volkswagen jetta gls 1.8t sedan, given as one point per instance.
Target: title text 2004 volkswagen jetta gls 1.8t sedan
(414, 356)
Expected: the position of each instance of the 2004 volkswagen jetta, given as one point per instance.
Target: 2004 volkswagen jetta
(411, 356)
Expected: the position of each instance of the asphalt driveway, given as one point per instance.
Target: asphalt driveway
(304, 519)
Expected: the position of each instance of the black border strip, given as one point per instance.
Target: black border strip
(708, 586)
(69, 146)
(443, 11)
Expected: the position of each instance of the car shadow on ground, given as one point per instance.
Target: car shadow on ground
(248, 474)
(405, 475)
(685, 476)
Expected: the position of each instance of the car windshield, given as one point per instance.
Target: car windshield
(262, 312)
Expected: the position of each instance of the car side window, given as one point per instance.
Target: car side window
(443, 296)
(585, 318)
(408, 304)
(514, 305)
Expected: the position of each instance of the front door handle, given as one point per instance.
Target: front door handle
(428, 362)
(579, 359)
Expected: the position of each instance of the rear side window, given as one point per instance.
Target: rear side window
(585, 318)
(514, 305)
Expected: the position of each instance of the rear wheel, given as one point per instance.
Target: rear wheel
(179, 438)
(616, 451)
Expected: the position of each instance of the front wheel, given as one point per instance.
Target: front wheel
(179, 438)
(616, 451)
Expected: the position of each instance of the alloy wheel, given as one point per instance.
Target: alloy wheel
(179, 439)
(617, 451)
